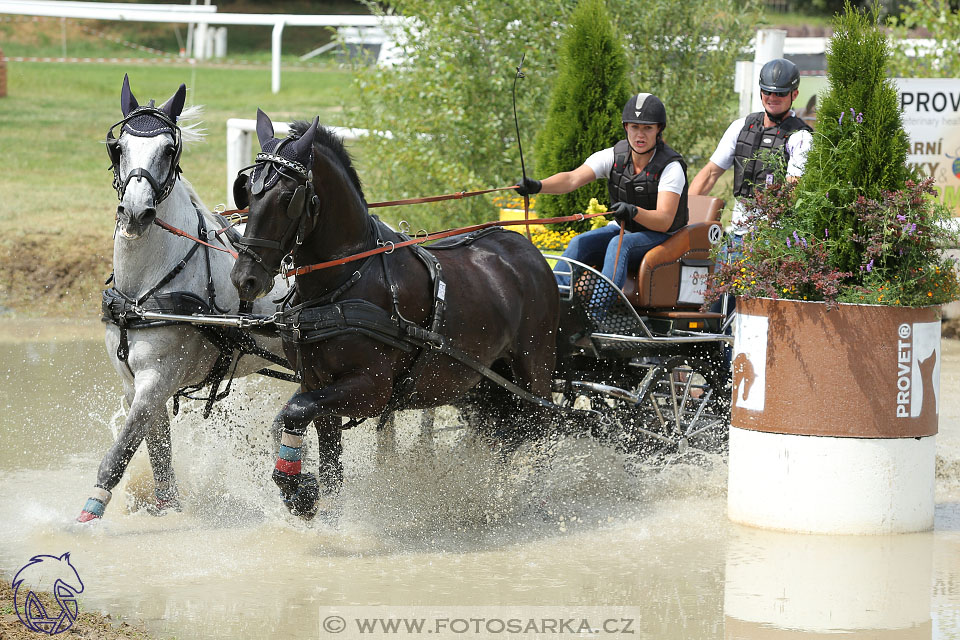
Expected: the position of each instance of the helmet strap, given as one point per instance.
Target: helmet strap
(778, 119)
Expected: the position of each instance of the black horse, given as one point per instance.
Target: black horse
(408, 328)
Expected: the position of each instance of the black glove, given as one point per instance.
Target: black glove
(529, 187)
(622, 212)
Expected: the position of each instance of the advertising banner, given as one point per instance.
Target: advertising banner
(931, 117)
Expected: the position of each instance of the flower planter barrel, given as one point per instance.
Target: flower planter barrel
(834, 417)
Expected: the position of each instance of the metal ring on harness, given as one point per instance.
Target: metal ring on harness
(392, 246)
(220, 208)
(404, 227)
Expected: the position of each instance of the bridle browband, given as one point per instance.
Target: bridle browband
(161, 190)
(304, 205)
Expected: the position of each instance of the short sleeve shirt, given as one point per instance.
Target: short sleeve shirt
(672, 179)
(797, 146)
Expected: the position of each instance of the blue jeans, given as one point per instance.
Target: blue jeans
(598, 245)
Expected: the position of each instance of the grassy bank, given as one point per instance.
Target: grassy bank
(56, 202)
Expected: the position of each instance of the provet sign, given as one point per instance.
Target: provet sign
(931, 118)
(918, 369)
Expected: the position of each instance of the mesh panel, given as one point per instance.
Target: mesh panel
(146, 125)
(605, 307)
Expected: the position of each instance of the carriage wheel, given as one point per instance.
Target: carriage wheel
(684, 409)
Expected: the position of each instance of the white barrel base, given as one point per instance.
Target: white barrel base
(819, 484)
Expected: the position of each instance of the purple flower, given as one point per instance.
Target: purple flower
(826, 233)
(870, 265)
(901, 218)
(840, 119)
(913, 227)
(788, 243)
(796, 238)
(859, 118)
(804, 241)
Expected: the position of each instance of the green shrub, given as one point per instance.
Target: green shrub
(859, 116)
(586, 105)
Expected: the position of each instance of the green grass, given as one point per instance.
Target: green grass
(57, 205)
(54, 116)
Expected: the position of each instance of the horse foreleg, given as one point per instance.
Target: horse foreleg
(115, 462)
(301, 490)
(330, 450)
(161, 461)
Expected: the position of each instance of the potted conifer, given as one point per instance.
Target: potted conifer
(836, 358)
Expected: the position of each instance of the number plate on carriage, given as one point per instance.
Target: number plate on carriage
(693, 284)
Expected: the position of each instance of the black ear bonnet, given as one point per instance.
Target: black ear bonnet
(147, 122)
(280, 156)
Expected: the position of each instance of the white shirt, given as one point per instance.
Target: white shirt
(797, 146)
(672, 179)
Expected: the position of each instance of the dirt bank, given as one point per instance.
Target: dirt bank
(92, 626)
(49, 275)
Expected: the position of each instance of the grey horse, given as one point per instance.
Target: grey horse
(154, 362)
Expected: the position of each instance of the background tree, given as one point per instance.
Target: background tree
(449, 105)
(586, 106)
(939, 18)
(685, 53)
(449, 108)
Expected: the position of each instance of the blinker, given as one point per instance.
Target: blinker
(295, 208)
(257, 187)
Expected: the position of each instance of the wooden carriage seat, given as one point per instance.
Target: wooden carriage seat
(656, 284)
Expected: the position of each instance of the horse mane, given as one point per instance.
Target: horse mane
(189, 122)
(325, 137)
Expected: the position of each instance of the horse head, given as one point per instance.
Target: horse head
(145, 158)
(292, 181)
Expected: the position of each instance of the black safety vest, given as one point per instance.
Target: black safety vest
(641, 189)
(747, 169)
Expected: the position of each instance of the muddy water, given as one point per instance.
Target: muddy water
(549, 532)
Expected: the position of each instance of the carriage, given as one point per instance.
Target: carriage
(653, 364)
(379, 329)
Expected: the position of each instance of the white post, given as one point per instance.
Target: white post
(239, 153)
(744, 82)
(200, 40)
(220, 43)
(275, 57)
(769, 46)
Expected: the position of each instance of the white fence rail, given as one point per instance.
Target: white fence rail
(240, 145)
(193, 14)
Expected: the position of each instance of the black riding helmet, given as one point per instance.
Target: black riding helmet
(779, 75)
(645, 108)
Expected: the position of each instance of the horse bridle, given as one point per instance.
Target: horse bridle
(160, 191)
(303, 207)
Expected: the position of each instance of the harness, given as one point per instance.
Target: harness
(325, 318)
(754, 138)
(124, 311)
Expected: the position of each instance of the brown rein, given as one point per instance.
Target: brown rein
(390, 246)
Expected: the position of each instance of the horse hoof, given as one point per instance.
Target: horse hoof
(163, 507)
(86, 516)
(300, 493)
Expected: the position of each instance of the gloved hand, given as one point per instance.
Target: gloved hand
(529, 187)
(623, 211)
